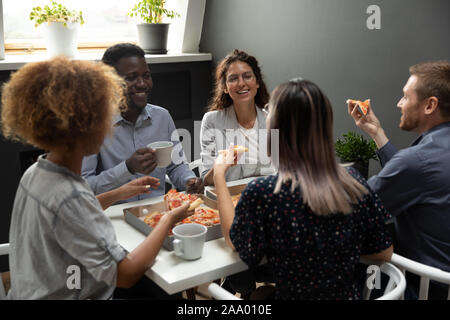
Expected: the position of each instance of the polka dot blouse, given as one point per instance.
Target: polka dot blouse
(313, 256)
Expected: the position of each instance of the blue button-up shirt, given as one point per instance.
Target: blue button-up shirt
(414, 185)
(107, 169)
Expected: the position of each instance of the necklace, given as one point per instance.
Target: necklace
(246, 131)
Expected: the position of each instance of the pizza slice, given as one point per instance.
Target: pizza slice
(153, 218)
(205, 216)
(194, 205)
(237, 149)
(363, 106)
(175, 199)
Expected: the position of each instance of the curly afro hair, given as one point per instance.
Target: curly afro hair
(54, 104)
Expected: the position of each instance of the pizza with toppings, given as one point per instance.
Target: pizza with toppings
(205, 216)
(236, 149)
(152, 219)
(202, 215)
(363, 106)
(175, 199)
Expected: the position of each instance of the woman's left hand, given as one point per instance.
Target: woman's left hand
(225, 160)
(138, 186)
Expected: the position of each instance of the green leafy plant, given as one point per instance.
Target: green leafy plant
(55, 12)
(354, 148)
(152, 11)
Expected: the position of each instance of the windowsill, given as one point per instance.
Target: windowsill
(15, 61)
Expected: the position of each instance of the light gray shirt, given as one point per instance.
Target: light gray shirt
(107, 169)
(62, 244)
(219, 129)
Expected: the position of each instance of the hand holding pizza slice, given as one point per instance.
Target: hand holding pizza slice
(363, 106)
(175, 199)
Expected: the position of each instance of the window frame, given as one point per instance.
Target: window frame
(185, 37)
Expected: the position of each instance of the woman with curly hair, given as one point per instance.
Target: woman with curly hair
(236, 116)
(58, 226)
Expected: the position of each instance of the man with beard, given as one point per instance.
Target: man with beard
(125, 155)
(414, 183)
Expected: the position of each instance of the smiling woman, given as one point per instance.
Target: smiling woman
(239, 96)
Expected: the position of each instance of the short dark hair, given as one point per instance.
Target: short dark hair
(434, 80)
(113, 54)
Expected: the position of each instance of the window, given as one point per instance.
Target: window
(106, 21)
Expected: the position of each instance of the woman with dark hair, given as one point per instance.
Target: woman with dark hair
(313, 219)
(236, 116)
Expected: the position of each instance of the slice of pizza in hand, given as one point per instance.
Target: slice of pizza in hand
(237, 149)
(195, 204)
(363, 106)
(175, 199)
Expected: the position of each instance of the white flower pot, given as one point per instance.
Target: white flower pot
(60, 39)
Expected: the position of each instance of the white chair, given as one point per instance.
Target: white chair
(394, 289)
(396, 285)
(219, 293)
(4, 250)
(196, 164)
(425, 272)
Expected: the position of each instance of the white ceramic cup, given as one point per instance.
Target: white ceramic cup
(163, 153)
(189, 240)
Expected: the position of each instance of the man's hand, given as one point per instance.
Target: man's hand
(195, 185)
(368, 123)
(142, 161)
(138, 186)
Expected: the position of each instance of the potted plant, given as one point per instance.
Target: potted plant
(358, 151)
(60, 27)
(152, 33)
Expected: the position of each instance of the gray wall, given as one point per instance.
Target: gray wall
(327, 41)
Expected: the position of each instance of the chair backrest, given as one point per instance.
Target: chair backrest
(425, 272)
(4, 250)
(219, 293)
(396, 285)
(393, 291)
(192, 165)
(196, 164)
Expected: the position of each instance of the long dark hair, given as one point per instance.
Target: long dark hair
(304, 118)
(222, 100)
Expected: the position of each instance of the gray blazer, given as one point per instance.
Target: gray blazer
(219, 129)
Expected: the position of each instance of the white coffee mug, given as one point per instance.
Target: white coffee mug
(163, 151)
(189, 240)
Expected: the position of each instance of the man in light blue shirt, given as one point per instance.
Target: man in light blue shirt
(414, 183)
(124, 155)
